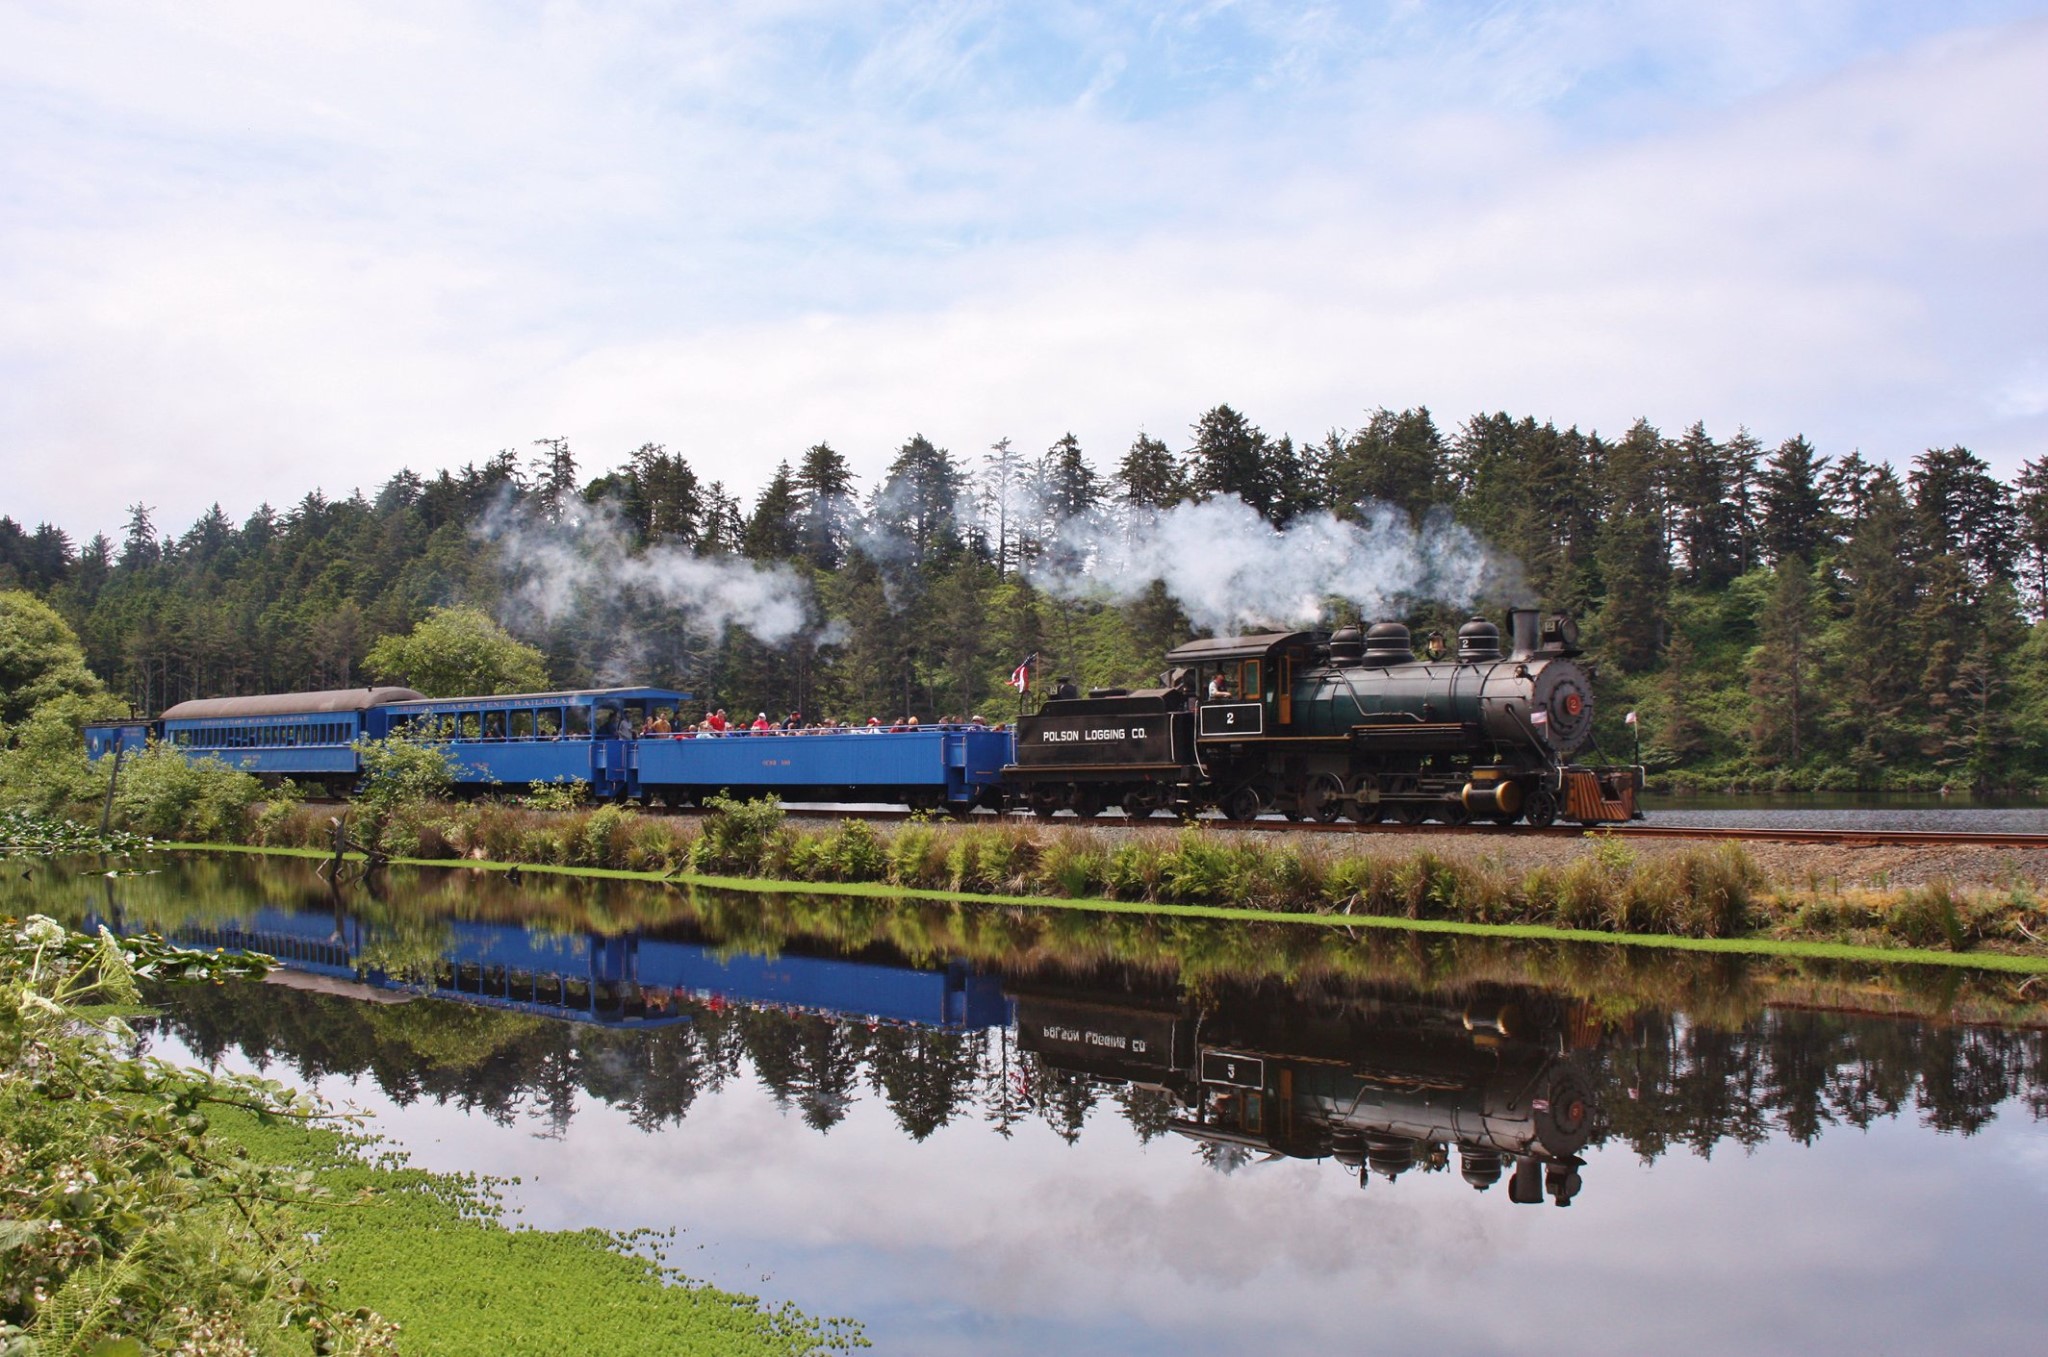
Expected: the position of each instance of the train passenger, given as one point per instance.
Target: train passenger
(792, 723)
(659, 726)
(716, 724)
(979, 722)
(762, 723)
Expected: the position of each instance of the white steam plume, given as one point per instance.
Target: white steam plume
(1229, 568)
(584, 570)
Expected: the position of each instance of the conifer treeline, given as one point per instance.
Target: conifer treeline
(1777, 615)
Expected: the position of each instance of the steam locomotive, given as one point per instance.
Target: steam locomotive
(1309, 725)
(1352, 723)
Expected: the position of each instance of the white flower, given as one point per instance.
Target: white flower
(43, 930)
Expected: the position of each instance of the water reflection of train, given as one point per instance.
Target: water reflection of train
(1380, 1081)
(618, 980)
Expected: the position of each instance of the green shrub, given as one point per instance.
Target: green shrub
(910, 856)
(563, 794)
(43, 767)
(401, 778)
(126, 1223)
(1202, 868)
(1927, 916)
(1072, 869)
(738, 837)
(168, 796)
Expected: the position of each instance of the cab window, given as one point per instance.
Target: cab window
(1250, 687)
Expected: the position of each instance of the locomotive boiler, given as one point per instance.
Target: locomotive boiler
(1353, 723)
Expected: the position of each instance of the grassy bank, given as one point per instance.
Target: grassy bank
(148, 1207)
(1706, 895)
(435, 1253)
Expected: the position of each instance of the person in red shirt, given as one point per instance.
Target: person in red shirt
(761, 721)
(716, 721)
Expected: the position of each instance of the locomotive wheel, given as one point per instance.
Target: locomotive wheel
(1452, 813)
(1243, 805)
(1086, 802)
(1410, 813)
(1541, 807)
(1140, 805)
(1045, 803)
(1324, 800)
(1364, 814)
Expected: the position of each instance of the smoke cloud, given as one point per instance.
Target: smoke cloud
(1229, 569)
(583, 575)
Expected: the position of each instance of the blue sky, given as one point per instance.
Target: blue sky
(250, 248)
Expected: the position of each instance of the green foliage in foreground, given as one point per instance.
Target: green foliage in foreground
(126, 1225)
(436, 1250)
(147, 1207)
(27, 835)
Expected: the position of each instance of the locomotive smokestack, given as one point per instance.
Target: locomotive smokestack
(1524, 629)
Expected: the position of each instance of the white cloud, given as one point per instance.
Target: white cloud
(249, 250)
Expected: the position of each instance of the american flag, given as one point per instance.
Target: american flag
(1020, 677)
(1629, 720)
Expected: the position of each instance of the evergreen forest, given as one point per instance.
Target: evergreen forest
(1779, 618)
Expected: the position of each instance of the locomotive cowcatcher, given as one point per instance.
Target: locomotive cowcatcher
(1353, 723)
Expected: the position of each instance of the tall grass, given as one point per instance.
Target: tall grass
(1716, 891)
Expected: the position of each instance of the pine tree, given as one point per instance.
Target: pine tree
(2030, 508)
(1780, 670)
(1878, 677)
(1002, 487)
(1791, 501)
(828, 515)
(1230, 456)
(917, 506)
(554, 478)
(1635, 568)
(1961, 510)
(1981, 736)
(1398, 459)
(1704, 522)
(139, 547)
(1679, 735)
(773, 532)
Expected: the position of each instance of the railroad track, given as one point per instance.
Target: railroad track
(1849, 838)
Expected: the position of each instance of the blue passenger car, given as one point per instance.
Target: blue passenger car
(622, 980)
(584, 735)
(104, 737)
(933, 768)
(309, 736)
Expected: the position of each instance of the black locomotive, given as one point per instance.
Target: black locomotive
(1351, 723)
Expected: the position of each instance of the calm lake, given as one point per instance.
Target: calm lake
(1020, 1131)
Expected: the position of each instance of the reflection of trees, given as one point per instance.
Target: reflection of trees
(1659, 1082)
(1797, 1072)
(807, 1061)
(926, 1076)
